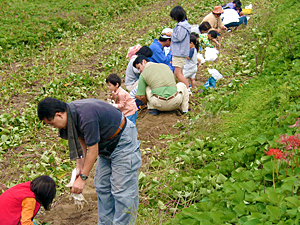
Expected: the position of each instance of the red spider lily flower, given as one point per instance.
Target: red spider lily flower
(276, 153)
(291, 142)
(279, 155)
(297, 124)
(272, 151)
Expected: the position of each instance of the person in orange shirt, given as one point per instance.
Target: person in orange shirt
(19, 204)
(121, 98)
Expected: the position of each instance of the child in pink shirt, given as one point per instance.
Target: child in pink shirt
(121, 98)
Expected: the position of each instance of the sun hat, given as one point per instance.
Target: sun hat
(218, 9)
(166, 30)
(132, 50)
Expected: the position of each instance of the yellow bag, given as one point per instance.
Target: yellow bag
(247, 11)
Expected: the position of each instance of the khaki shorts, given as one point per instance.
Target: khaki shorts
(178, 61)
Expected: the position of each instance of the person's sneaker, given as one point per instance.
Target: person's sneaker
(141, 107)
(153, 112)
(190, 92)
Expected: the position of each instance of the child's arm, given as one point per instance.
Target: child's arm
(114, 97)
(28, 206)
(216, 42)
(179, 35)
(123, 97)
(191, 53)
(121, 103)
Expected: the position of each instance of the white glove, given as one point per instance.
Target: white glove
(79, 200)
(110, 101)
(75, 173)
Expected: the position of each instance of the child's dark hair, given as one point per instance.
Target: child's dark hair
(204, 27)
(178, 14)
(196, 34)
(193, 39)
(145, 50)
(44, 190)
(114, 79)
(236, 1)
(213, 33)
(238, 4)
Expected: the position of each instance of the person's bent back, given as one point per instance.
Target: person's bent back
(157, 87)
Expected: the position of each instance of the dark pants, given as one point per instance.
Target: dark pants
(242, 20)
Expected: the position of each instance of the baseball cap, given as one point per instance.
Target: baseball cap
(166, 30)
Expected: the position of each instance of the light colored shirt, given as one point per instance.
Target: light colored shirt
(180, 39)
(125, 102)
(231, 6)
(191, 63)
(230, 16)
(132, 74)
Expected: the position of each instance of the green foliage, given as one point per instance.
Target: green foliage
(236, 181)
(216, 174)
(36, 24)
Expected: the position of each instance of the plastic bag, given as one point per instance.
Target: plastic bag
(211, 54)
(200, 56)
(210, 83)
(195, 29)
(247, 10)
(248, 6)
(167, 50)
(215, 74)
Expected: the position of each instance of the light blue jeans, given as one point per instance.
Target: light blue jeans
(116, 180)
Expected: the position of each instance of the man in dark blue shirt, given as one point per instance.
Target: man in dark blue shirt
(94, 129)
